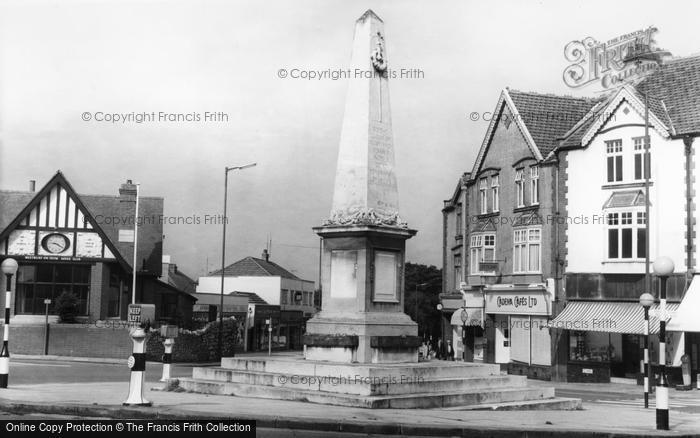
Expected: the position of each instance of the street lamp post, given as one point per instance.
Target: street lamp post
(646, 300)
(9, 268)
(663, 267)
(223, 255)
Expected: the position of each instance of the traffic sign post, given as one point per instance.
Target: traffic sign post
(46, 328)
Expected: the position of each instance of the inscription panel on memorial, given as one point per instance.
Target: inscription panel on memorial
(381, 179)
(343, 274)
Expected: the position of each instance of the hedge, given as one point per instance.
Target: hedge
(199, 345)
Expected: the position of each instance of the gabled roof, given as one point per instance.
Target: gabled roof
(255, 267)
(541, 118)
(673, 96)
(15, 205)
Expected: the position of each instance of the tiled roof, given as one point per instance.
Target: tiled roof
(548, 116)
(150, 237)
(254, 267)
(180, 281)
(677, 84)
(673, 95)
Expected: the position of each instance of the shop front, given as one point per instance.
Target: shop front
(605, 339)
(516, 327)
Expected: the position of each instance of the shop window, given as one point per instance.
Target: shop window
(35, 283)
(530, 340)
(595, 346)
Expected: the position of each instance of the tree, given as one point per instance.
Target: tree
(67, 307)
(423, 306)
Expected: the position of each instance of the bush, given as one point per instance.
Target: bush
(67, 307)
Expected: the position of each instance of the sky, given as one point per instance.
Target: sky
(61, 60)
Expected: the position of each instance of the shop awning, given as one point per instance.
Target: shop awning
(608, 316)
(475, 316)
(686, 318)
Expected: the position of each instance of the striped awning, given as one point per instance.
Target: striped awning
(609, 316)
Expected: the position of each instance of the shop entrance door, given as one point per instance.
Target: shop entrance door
(632, 355)
(502, 339)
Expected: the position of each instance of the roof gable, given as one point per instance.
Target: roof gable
(56, 208)
(624, 94)
(541, 118)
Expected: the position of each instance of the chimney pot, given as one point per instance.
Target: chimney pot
(32, 185)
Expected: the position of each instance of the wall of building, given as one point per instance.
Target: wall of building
(587, 190)
(507, 152)
(267, 288)
(299, 285)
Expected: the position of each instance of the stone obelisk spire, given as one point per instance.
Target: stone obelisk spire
(365, 185)
(364, 241)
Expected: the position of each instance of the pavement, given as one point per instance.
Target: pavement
(597, 419)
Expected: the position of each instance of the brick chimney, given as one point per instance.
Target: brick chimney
(127, 191)
(266, 255)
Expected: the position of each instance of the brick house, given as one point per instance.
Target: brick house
(500, 237)
(83, 244)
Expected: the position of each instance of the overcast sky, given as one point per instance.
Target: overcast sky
(61, 59)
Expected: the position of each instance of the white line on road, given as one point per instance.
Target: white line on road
(37, 364)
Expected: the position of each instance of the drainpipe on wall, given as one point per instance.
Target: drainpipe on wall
(688, 142)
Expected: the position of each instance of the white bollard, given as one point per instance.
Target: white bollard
(167, 358)
(137, 363)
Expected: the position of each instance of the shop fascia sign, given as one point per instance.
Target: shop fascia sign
(518, 301)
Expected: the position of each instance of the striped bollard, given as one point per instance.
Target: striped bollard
(167, 358)
(137, 363)
(9, 267)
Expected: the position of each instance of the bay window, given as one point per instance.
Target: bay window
(483, 182)
(494, 193)
(534, 185)
(482, 249)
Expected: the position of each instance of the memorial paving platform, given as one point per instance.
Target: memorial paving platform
(433, 384)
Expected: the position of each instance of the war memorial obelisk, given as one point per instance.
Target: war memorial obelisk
(360, 350)
(362, 318)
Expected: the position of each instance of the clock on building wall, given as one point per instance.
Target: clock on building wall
(55, 243)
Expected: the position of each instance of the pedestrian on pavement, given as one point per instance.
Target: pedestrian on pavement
(450, 351)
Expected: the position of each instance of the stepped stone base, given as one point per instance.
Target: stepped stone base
(434, 384)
